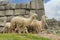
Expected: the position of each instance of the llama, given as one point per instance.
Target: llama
(36, 25)
(21, 23)
(7, 27)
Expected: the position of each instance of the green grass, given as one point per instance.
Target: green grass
(21, 37)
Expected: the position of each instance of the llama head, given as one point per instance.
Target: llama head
(34, 16)
(43, 16)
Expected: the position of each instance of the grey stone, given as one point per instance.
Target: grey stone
(17, 12)
(23, 5)
(9, 18)
(28, 5)
(2, 24)
(13, 6)
(32, 11)
(3, 19)
(9, 12)
(40, 4)
(2, 7)
(33, 4)
(18, 5)
(27, 12)
(22, 12)
(37, 4)
(3, 2)
(10, 6)
(2, 13)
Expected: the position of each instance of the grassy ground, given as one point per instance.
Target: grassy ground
(21, 37)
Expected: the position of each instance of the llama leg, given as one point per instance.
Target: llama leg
(18, 28)
(26, 31)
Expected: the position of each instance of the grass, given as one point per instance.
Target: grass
(21, 37)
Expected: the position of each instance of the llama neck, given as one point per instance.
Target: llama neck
(31, 19)
(43, 21)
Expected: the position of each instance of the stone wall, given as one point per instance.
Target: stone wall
(8, 11)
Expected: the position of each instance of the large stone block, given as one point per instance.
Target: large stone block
(9, 12)
(10, 6)
(18, 6)
(33, 4)
(28, 5)
(27, 12)
(22, 12)
(13, 6)
(2, 20)
(23, 5)
(2, 7)
(40, 4)
(2, 24)
(9, 18)
(32, 11)
(17, 12)
(37, 4)
(2, 13)
(3, 2)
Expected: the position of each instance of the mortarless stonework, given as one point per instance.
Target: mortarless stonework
(8, 11)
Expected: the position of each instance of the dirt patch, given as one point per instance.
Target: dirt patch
(51, 36)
